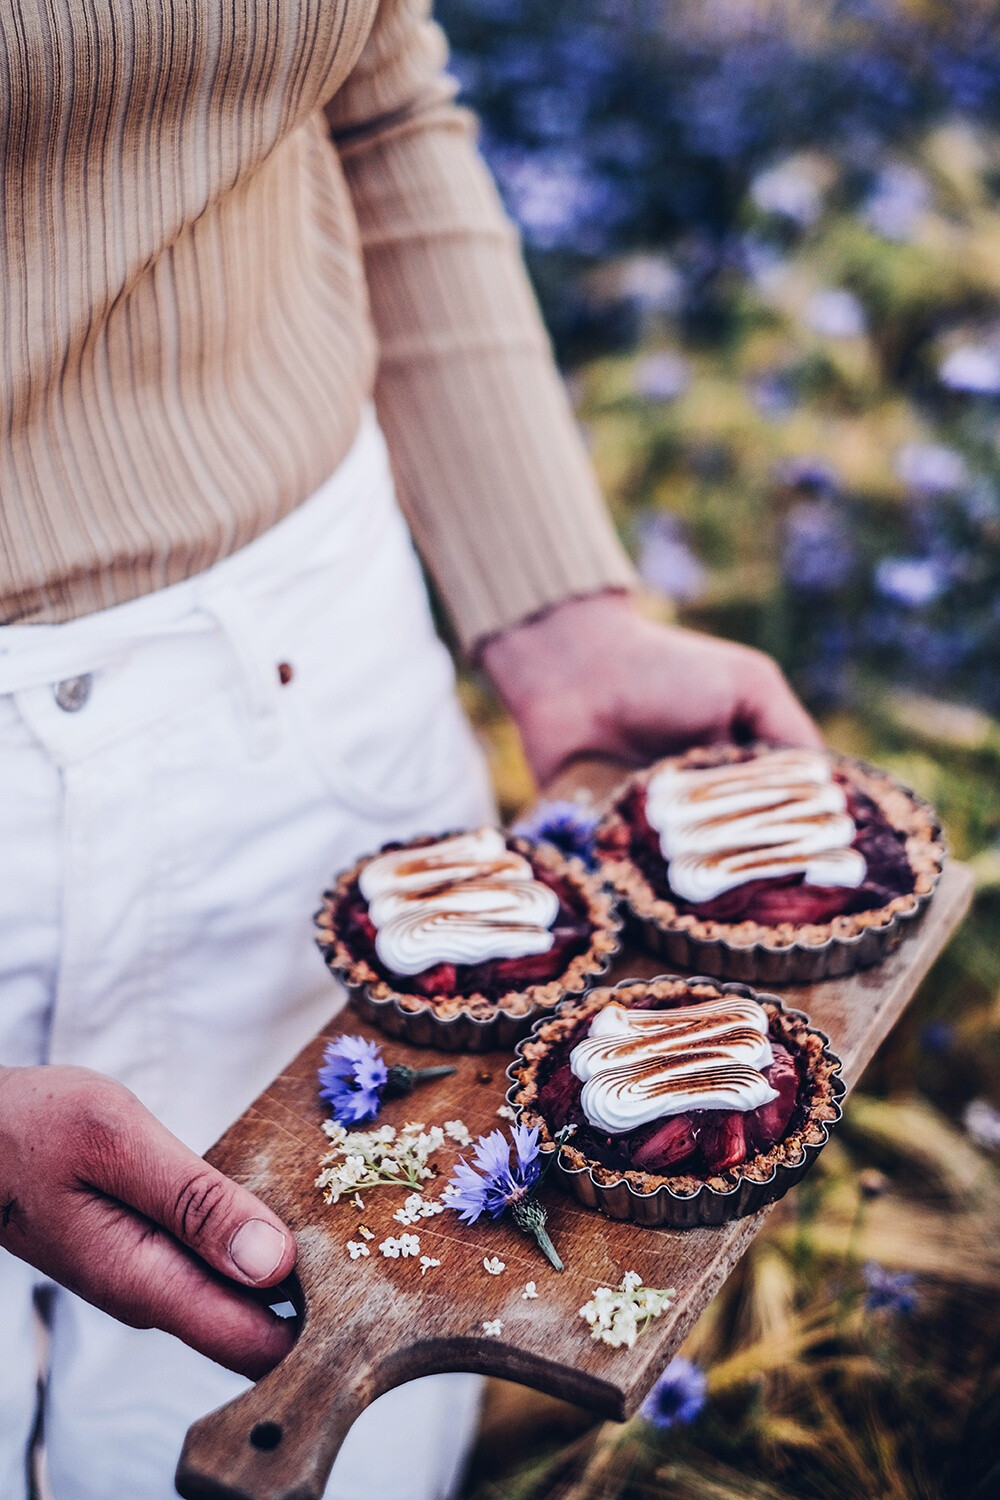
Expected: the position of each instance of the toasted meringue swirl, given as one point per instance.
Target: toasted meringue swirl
(462, 900)
(642, 1065)
(778, 814)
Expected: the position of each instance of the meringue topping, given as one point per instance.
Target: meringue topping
(780, 813)
(642, 1065)
(463, 900)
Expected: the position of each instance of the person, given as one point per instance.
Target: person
(257, 281)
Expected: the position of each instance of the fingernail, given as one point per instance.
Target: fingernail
(256, 1249)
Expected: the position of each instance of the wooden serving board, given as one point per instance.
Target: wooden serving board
(371, 1324)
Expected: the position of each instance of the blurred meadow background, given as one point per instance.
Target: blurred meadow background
(766, 236)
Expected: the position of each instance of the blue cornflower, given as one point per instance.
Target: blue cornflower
(354, 1078)
(500, 1184)
(567, 825)
(678, 1396)
(888, 1291)
(937, 1036)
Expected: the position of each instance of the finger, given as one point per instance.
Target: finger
(133, 1158)
(140, 1275)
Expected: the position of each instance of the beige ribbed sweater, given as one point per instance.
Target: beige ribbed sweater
(223, 223)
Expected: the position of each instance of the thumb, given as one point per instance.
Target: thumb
(227, 1226)
(769, 711)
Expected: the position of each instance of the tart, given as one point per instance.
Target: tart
(459, 941)
(688, 1102)
(777, 866)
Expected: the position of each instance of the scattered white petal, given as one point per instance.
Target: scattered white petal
(494, 1265)
(409, 1244)
(357, 1249)
(493, 1328)
(426, 1262)
(618, 1317)
(458, 1131)
(365, 1232)
(390, 1248)
(358, 1201)
(506, 1113)
(530, 1291)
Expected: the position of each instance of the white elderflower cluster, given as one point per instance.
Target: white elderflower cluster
(406, 1245)
(458, 1131)
(619, 1317)
(506, 1113)
(376, 1158)
(416, 1208)
(493, 1265)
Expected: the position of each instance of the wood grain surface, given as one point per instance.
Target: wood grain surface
(374, 1323)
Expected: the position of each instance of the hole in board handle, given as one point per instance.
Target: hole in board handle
(265, 1436)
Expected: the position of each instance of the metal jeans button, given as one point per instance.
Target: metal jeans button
(72, 694)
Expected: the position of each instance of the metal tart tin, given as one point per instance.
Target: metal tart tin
(665, 1208)
(799, 962)
(413, 1018)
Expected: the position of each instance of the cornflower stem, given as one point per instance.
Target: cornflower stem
(529, 1217)
(402, 1079)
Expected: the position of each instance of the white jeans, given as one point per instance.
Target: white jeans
(163, 848)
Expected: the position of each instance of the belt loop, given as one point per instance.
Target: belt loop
(258, 675)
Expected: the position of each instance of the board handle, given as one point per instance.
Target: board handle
(278, 1440)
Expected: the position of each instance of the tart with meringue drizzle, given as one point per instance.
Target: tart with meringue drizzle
(458, 941)
(690, 1102)
(775, 865)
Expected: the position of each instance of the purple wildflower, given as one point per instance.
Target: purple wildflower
(354, 1078)
(665, 560)
(888, 1291)
(817, 555)
(500, 1184)
(662, 377)
(937, 1036)
(678, 1396)
(910, 581)
(834, 313)
(567, 825)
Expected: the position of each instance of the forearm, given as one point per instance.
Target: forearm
(498, 487)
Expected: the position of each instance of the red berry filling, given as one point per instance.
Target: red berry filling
(571, 934)
(786, 899)
(699, 1142)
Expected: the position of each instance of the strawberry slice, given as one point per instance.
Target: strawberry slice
(769, 1123)
(671, 1141)
(722, 1139)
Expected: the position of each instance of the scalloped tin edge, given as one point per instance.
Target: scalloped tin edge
(663, 1208)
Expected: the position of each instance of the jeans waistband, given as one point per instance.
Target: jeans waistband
(341, 515)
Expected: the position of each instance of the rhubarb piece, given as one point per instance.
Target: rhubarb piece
(559, 1098)
(440, 980)
(670, 1141)
(722, 1138)
(769, 1123)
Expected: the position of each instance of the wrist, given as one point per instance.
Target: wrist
(535, 657)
